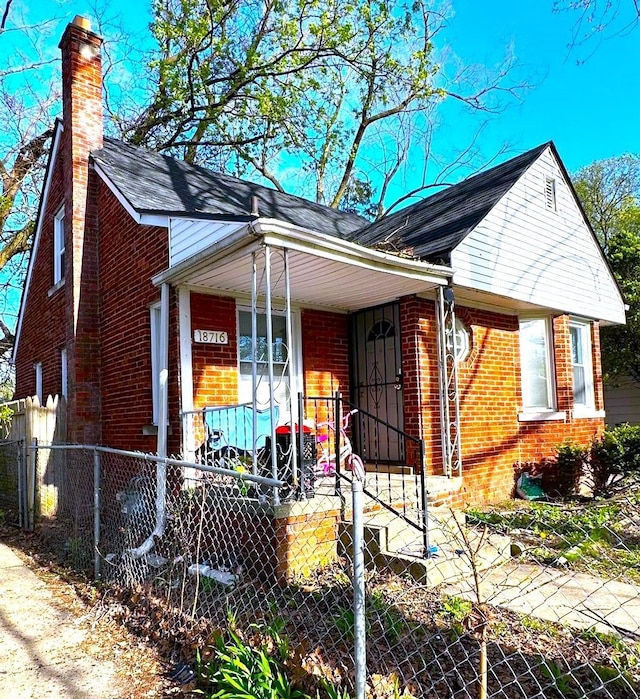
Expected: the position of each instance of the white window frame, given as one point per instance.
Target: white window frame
(58, 247)
(548, 410)
(295, 358)
(37, 367)
(583, 327)
(463, 340)
(64, 380)
(155, 316)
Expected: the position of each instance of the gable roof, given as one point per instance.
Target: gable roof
(433, 227)
(158, 184)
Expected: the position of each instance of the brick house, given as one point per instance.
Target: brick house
(464, 328)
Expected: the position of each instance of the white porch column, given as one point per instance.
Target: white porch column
(186, 374)
(448, 380)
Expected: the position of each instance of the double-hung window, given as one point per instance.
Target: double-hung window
(58, 247)
(536, 365)
(281, 359)
(581, 364)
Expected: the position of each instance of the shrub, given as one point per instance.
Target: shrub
(608, 464)
(614, 457)
(561, 475)
(6, 415)
(605, 461)
(628, 437)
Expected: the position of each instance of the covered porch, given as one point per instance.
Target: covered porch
(287, 367)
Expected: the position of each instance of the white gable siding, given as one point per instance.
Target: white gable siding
(189, 236)
(526, 251)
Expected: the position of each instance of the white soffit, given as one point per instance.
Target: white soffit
(323, 271)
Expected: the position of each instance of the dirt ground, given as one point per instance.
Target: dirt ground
(56, 640)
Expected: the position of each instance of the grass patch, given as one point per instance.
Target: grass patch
(601, 538)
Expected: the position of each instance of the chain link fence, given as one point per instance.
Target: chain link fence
(526, 599)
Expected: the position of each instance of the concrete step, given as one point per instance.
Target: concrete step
(391, 542)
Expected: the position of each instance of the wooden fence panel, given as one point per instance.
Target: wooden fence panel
(44, 469)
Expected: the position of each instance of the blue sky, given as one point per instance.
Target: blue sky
(585, 99)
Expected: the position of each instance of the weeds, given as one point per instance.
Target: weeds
(390, 619)
(236, 670)
(563, 682)
(255, 667)
(595, 536)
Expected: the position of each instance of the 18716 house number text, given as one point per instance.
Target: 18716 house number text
(211, 337)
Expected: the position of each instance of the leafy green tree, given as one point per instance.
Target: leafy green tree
(325, 98)
(610, 192)
(25, 132)
(333, 94)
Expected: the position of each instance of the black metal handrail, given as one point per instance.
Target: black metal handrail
(404, 495)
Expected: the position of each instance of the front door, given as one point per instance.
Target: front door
(377, 381)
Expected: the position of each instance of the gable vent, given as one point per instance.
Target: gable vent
(550, 193)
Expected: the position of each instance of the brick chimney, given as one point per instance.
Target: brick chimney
(83, 132)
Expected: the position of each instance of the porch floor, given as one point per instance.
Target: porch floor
(396, 489)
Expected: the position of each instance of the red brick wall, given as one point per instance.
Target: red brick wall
(325, 348)
(493, 440)
(420, 379)
(82, 116)
(215, 367)
(42, 334)
(130, 255)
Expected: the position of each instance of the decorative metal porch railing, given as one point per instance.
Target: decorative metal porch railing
(317, 458)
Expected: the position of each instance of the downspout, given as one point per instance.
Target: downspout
(163, 420)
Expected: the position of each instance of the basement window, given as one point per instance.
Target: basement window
(550, 193)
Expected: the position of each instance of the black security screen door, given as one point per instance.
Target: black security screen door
(377, 380)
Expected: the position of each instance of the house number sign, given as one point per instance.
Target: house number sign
(211, 337)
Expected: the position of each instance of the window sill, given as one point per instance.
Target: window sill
(585, 413)
(56, 287)
(542, 416)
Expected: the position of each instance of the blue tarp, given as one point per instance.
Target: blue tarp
(233, 426)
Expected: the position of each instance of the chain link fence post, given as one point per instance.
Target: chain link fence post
(31, 489)
(96, 515)
(359, 606)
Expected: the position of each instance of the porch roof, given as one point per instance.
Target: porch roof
(323, 270)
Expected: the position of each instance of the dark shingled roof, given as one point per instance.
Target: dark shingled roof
(157, 184)
(433, 227)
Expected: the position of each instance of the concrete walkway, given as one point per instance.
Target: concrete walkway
(567, 597)
(42, 645)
